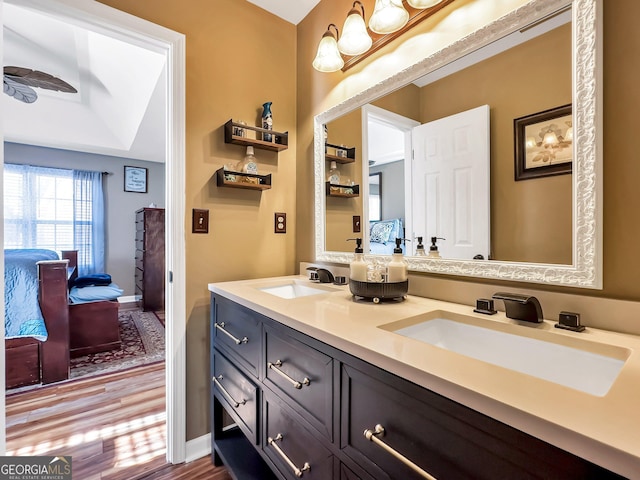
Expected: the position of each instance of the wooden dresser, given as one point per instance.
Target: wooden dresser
(150, 258)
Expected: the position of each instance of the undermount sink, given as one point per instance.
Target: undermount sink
(295, 289)
(586, 366)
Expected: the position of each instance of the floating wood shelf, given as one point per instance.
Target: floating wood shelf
(280, 141)
(341, 190)
(350, 152)
(247, 181)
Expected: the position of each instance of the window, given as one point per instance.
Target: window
(56, 209)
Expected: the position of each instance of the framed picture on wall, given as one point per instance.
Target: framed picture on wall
(544, 143)
(135, 179)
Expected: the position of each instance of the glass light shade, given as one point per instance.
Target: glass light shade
(388, 16)
(328, 58)
(568, 137)
(530, 142)
(354, 40)
(423, 3)
(550, 139)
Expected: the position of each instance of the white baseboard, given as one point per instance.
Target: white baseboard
(198, 448)
(128, 299)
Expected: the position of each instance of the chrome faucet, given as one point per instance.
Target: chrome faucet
(321, 275)
(520, 307)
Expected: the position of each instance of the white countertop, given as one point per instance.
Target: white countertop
(604, 430)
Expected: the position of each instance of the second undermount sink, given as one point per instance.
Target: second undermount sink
(586, 366)
(295, 289)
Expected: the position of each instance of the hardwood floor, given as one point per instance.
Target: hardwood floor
(113, 426)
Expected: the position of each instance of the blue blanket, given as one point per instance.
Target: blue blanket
(23, 317)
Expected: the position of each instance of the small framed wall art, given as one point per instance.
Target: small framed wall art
(135, 179)
(544, 143)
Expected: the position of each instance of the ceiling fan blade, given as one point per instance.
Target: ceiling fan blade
(35, 78)
(21, 92)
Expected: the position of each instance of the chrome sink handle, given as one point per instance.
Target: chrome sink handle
(220, 326)
(379, 431)
(296, 384)
(298, 472)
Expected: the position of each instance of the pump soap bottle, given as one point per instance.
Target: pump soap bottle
(397, 267)
(420, 248)
(358, 266)
(433, 249)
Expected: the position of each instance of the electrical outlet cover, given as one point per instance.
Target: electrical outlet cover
(280, 225)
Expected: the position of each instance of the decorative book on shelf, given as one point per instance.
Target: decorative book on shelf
(249, 181)
(241, 134)
(346, 191)
(339, 153)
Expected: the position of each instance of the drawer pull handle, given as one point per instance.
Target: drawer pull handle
(372, 435)
(294, 382)
(298, 472)
(220, 326)
(227, 394)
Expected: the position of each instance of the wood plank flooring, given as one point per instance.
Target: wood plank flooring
(113, 426)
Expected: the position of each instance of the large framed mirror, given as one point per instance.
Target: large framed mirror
(545, 227)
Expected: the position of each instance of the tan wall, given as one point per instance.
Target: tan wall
(318, 92)
(238, 57)
(530, 219)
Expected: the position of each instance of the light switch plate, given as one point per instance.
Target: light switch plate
(356, 224)
(280, 220)
(200, 221)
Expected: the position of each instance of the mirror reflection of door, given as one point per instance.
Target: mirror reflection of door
(375, 197)
(450, 175)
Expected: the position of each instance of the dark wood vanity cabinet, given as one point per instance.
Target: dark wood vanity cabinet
(290, 428)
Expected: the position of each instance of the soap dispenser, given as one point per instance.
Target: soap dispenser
(358, 266)
(420, 252)
(248, 164)
(433, 249)
(397, 267)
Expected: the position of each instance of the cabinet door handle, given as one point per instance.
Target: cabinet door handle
(379, 431)
(294, 382)
(220, 326)
(298, 472)
(231, 400)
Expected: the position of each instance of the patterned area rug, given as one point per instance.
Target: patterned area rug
(142, 336)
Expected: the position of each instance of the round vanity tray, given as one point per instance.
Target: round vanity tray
(379, 291)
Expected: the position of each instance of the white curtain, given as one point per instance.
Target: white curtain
(56, 209)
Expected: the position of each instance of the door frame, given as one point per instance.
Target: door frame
(404, 124)
(102, 18)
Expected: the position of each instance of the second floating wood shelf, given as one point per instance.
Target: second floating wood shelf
(248, 181)
(344, 191)
(348, 157)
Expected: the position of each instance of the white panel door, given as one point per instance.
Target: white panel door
(450, 183)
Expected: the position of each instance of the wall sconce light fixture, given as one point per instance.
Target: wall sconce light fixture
(328, 58)
(354, 40)
(390, 19)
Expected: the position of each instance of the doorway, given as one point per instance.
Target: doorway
(101, 18)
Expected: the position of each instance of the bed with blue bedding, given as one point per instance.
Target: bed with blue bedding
(36, 317)
(23, 316)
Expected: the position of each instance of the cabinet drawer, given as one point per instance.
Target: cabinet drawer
(237, 393)
(236, 330)
(289, 446)
(302, 376)
(442, 437)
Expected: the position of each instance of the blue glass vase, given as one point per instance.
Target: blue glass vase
(267, 121)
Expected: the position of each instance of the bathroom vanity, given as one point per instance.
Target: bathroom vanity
(322, 386)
